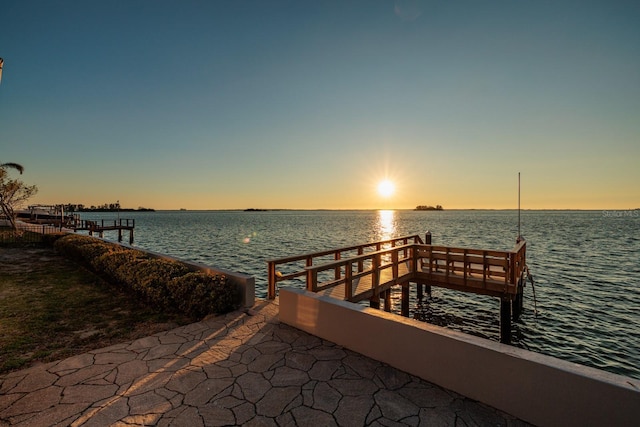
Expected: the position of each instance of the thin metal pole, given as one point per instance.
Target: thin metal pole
(519, 235)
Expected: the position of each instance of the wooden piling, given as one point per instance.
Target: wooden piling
(374, 302)
(404, 310)
(518, 302)
(387, 300)
(505, 320)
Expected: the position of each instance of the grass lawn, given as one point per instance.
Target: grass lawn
(52, 308)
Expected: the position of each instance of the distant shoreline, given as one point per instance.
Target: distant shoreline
(114, 210)
(374, 209)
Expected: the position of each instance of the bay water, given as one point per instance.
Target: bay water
(585, 265)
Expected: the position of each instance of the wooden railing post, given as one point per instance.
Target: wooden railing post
(394, 264)
(464, 267)
(446, 273)
(312, 279)
(336, 257)
(414, 259)
(511, 262)
(485, 266)
(271, 278)
(348, 284)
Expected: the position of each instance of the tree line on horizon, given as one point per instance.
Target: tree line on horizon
(105, 207)
(429, 208)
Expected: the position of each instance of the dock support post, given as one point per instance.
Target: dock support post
(419, 290)
(119, 234)
(387, 300)
(131, 236)
(374, 301)
(405, 300)
(505, 320)
(518, 303)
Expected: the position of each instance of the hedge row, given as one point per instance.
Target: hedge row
(165, 284)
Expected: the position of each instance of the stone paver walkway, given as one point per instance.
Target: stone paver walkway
(238, 369)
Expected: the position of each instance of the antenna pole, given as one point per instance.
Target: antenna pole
(519, 235)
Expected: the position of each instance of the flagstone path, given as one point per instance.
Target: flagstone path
(245, 368)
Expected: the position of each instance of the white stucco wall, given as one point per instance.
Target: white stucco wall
(536, 388)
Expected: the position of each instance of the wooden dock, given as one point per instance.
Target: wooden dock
(100, 226)
(369, 271)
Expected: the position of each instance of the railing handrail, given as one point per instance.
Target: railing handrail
(347, 277)
(342, 249)
(357, 258)
(337, 252)
(119, 222)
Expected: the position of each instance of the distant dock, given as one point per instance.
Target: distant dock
(100, 226)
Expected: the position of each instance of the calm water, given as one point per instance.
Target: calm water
(585, 265)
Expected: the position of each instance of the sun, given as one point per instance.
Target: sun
(386, 188)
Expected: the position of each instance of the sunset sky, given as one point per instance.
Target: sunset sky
(310, 104)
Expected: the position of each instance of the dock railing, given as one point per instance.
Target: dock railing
(475, 268)
(405, 259)
(371, 265)
(105, 224)
(293, 269)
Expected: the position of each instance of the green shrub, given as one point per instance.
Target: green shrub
(149, 279)
(92, 252)
(163, 283)
(198, 294)
(50, 239)
(71, 246)
(117, 265)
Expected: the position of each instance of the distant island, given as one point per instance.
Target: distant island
(429, 208)
(255, 210)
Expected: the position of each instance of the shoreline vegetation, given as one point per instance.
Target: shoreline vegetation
(116, 210)
(429, 208)
(106, 207)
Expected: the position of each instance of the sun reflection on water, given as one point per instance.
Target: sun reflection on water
(386, 224)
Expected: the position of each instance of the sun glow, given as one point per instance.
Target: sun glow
(386, 188)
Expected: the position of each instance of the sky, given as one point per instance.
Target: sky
(310, 104)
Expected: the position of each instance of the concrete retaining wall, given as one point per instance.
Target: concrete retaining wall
(536, 388)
